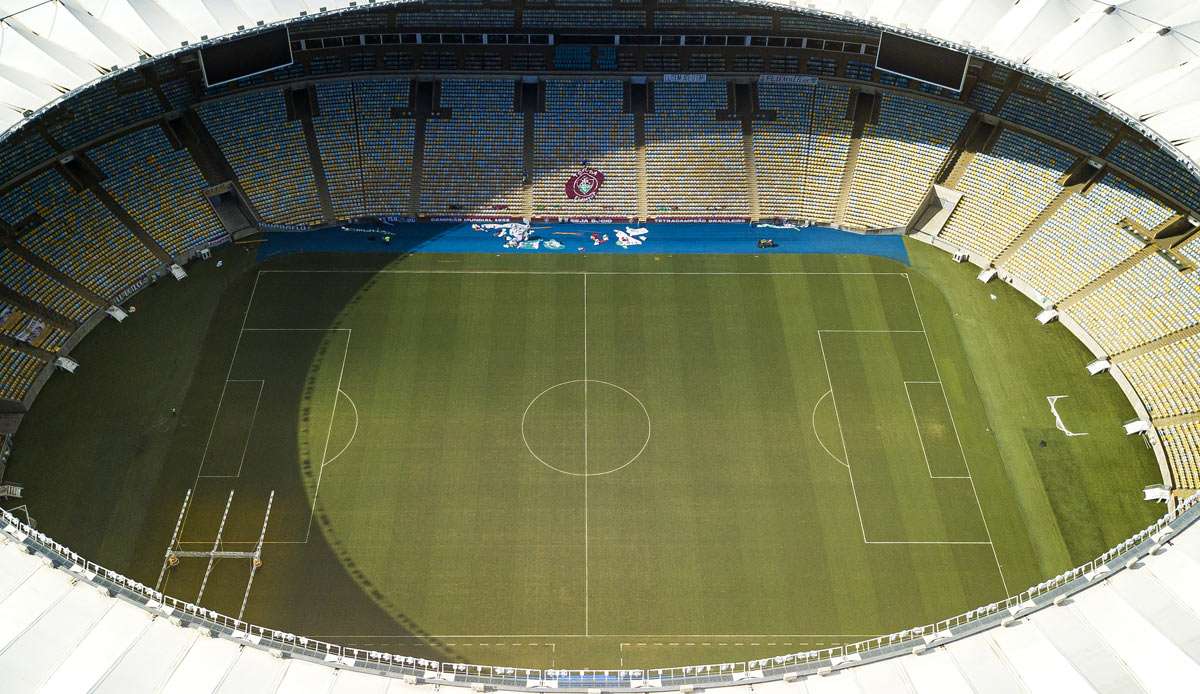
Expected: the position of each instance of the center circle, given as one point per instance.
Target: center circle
(585, 427)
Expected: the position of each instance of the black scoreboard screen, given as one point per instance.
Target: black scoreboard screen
(246, 56)
(921, 60)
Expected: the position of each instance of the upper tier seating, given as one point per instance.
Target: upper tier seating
(102, 109)
(268, 154)
(78, 235)
(32, 283)
(1149, 300)
(1167, 378)
(583, 125)
(1159, 169)
(898, 159)
(17, 371)
(160, 188)
(1003, 191)
(1182, 445)
(582, 19)
(23, 150)
(473, 162)
(1081, 240)
(695, 164)
(1058, 115)
(800, 157)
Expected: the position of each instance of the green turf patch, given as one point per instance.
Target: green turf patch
(739, 455)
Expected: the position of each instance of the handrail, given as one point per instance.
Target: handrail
(285, 644)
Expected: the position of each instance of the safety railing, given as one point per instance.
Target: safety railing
(285, 644)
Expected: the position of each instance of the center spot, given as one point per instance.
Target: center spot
(585, 427)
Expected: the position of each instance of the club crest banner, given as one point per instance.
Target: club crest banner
(585, 184)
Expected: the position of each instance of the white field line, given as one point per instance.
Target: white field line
(921, 438)
(842, 434)
(586, 567)
(353, 434)
(818, 436)
(328, 435)
(850, 470)
(937, 372)
(232, 359)
(333, 414)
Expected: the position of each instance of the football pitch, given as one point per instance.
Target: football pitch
(621, 461)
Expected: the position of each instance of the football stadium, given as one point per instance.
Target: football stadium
(599, 345)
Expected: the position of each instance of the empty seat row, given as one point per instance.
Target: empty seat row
(898, 158)
(1182, 446)
(1083, 238)
(1150, 299)
(161, 188)
(1167, 378)
(268, 154)
(1003, 191)
(800, 157)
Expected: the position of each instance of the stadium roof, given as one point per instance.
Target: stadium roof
(1141, 56)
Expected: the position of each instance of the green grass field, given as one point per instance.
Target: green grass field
(601, 461)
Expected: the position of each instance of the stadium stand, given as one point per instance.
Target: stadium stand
(160, 188)
(17, 371)
(1167, 378)
(386, 146)
(101, 110)
(337, 139)
(472, 164)
(78, 236)
(23, 150)
(583, 126)
(22, 327)
(1159, 169)
(800, 156)
(689, 19)
(582, 19)
(1082, 239)
(34, 284)
(694, 162)
(1058, 115)
(1003, 191)
(267, 152)
(1149, 300)
(898, 159)
(984, 97)
(1182, 444)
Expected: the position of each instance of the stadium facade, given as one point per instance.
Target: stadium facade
(1084, 114)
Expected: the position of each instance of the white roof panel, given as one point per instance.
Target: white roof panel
(104, 645)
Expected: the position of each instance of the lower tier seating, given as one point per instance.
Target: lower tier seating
(800, 157)
(79, 236)
(32, 283)
(160, 188)
(1083, 239)
(1003, 191)
(1149, 300)
(1182, 446)
(565, 142)
(268, 154)
(17, 371)
(1168, 378)
(898, 158)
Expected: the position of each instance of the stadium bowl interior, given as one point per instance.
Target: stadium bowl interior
(819, 453)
